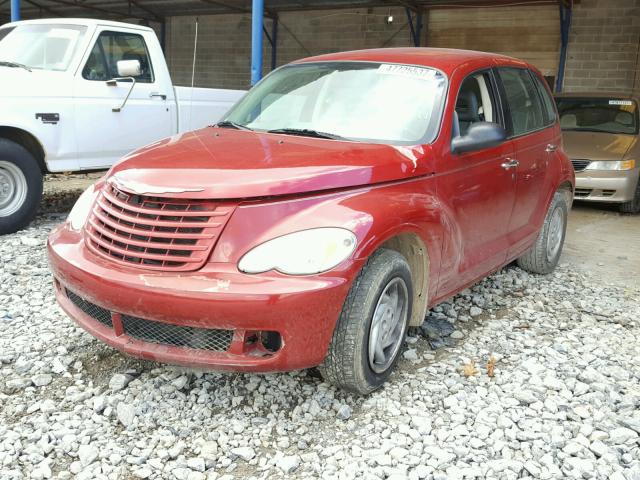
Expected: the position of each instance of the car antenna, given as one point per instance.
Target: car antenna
(193, 72)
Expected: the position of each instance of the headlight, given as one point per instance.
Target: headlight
(612, 165)
(80, 211)
(301, 253)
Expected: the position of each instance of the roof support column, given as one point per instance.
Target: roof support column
(15, 10)
(257, 24)
(565, 26)
(415, 28)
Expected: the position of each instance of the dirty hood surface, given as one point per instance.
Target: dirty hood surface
(225, 163)
(596, 145)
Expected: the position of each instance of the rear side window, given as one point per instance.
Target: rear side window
(547, 100)
(525, 107)
(109, 49)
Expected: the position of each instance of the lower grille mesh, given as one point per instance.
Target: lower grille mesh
(177, 335)
(210, 339)
(100, 314)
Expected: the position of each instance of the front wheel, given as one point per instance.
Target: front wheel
(633, 205)
(544, 254)
(20, 186)
(369, 335)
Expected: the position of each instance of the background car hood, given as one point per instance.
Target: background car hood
(225, 163)
(596, 145)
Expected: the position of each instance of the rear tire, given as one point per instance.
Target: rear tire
(632, 206)
(20, 186)
(376, 313)
(544, 254)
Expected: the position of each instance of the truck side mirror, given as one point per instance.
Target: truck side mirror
(129, 68)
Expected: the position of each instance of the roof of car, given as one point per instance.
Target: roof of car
(89, 22)
(601, 94)
(445, 59)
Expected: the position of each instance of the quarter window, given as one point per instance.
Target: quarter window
(109, 49)
(549, 104)
(525, 106)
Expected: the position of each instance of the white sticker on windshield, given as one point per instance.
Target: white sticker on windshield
(621, 102)
(407, 71)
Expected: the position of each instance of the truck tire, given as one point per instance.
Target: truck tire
(20, 186)
(369, 335)
(544, 254)
(632, 206)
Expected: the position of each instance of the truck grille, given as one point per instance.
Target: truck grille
(152, 232)
(580, 165)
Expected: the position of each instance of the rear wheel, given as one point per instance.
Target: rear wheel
(632, 206)
(369, 335)
(20, 186)
(544, 254)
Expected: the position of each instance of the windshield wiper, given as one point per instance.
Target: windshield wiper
(4, 63)
(305, 132)
(230, 124)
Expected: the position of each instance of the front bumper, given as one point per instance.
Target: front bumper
(302, 310)
(606, 185)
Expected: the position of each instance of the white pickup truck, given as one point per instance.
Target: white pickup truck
(79, 94)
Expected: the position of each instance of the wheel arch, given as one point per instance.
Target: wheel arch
(28, 141)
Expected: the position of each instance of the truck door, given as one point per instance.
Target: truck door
(105, 134)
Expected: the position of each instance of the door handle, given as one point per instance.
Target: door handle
(510, 163)
(156, 94)
(551, 148)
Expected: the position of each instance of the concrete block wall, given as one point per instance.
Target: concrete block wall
(603, 46)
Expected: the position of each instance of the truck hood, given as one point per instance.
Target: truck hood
(18, 82)
(232, 164)
(597, 146)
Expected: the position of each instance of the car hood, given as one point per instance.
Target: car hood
(596, 145)
(223, 164)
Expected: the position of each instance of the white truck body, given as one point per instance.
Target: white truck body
(72, 118)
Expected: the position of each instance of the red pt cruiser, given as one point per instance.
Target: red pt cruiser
(338, 200)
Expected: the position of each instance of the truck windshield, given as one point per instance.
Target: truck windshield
(358, 101)
(42, 47)
(609, 115)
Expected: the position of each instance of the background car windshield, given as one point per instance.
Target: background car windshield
(610, 115)
(43, 47)
(382, 103)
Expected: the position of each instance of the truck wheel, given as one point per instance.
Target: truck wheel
(20, 186)
(632, 206)
(544, 254)
(369, 335)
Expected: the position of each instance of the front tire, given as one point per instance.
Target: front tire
(369, 335)
(632, 206)
(544, 254)
(20, 186)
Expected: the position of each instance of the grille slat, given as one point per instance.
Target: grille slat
(154, 232)
(580, 165)
(211, 339)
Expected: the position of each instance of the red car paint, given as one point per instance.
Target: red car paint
(472, 216)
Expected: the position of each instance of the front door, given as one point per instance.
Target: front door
(105, 135)
(479, 190)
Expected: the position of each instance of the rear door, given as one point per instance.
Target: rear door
(532, 136)
(479, 190)
(105, 135)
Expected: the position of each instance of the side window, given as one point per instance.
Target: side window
(475, 103)
(549, 104)
(109, 49)
(525, 106)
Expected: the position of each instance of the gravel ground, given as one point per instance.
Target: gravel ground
(518, 377)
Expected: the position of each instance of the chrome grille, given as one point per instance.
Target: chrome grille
(580, 165)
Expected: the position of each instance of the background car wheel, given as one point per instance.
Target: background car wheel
(632, 206)
(20, 186)
(369, 335)
(544, 254)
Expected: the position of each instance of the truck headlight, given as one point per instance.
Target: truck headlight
(301, 253)
(80, 211)
(612, 165)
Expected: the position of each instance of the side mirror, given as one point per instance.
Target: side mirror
(129, 68)
(480, 135)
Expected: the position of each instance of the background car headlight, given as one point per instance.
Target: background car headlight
(301, 253)
(80, 211)
(612, 165)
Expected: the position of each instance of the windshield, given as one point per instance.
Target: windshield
(361, 101)
(42, 47)
(610, 115)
